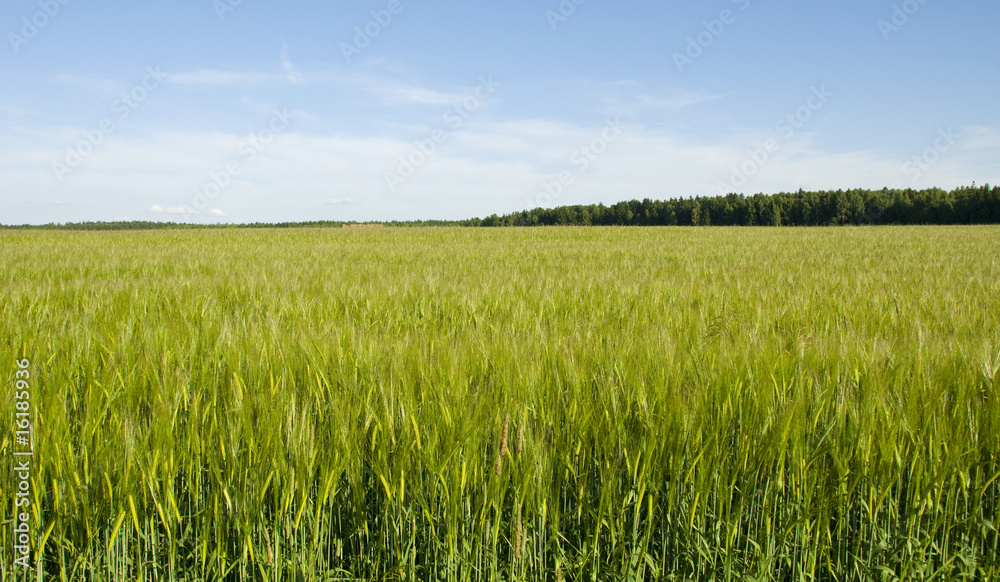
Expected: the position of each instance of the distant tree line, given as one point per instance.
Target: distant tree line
(965, 205)
(152, 225)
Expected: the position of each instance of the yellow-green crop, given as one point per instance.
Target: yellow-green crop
(479, 404)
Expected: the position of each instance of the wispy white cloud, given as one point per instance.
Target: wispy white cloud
(407, 93)
(623, 83)
(217, 212)
(217, 77)
(981, 137)
(267, 109)
(382, 90)
(387, 87)
(676, 101)
(340, 201)
(395, 92)
(293, 75)
(99, 85)
(634, 100)
(157, 209)
(12, 112)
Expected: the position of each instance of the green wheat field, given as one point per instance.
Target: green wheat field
(559, 404)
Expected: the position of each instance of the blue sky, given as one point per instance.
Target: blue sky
(236, 111)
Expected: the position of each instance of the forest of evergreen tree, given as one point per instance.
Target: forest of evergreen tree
(966, 205)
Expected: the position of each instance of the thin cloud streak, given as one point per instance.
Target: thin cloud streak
(293, 75)
(223, 78)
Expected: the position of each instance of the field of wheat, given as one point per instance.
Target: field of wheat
(505, 404)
